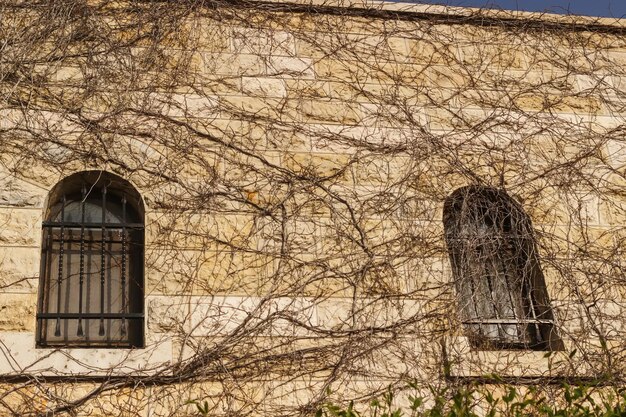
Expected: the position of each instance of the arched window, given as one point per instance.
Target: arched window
(91, 286)
(503, 298)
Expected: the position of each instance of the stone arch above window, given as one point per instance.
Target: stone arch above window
(91, 285)
(501, 289)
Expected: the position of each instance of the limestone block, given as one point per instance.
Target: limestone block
(608, 318)
(613, 209)
(125, 402)
(492, 55)
(178, 105)
(391, 357)
(20, 354)
(209, 272)
(425, 278)
(430, 52)
(316, 164)
(19, 193)
(224, 398)
(19, 269)
(233, 64)
(198, 230)
(329, 112)
(299, 89)
(344, 313)
(262, 42)
(338, 69)
(20, 227)
(223, 315)
(616, 150)
(206, 36)
(381, 170)
(167, 314)
(562, 240)
(564, 104)
(217, 316)
(263, 87)
(17, 312)
(288, 67)
(508, 363)
(251, 107)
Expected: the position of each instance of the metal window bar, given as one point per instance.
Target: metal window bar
(508, 321)
(466, 247)
(79, 331)
(102, 259)
(57, 329)
(123, 329)
(65, 252)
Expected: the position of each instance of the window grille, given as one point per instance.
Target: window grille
(91, 292)
(501, 289)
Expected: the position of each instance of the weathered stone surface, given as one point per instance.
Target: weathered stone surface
(20, 227)
(18, 193)
(19, 269)
(264, 87)
(17, 312)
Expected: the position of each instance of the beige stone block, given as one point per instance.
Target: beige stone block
(613, 207)
(223, 315)
(342, 70)
(19, 227)
(167, 314)
(182, 105)
(312, 47)
(565, 240)
(329, 112)
(224, 398)
(302, 89)
(66, 75)
(18, 312)
(19, 269)
(554, 149)
(317, 164)
(262, 42)
(288, 67)
(205, 35)
(19, 193)
(435, 76)
(616, 151)
(506, 363)
(238, 273)
(566, 104)
(264, 87)
(251, 107)
(232, 64)
(218, 316)
(125, 402)
(10, 118)
(425, 278)
(343, 313)
(483, 55)
(430, 51)
(197, 230)
(210, 272)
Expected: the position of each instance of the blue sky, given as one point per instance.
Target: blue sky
(605, 8)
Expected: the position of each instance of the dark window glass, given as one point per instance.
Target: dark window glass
(502, 294)
(91, 290)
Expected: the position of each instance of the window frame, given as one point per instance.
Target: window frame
(127, 262)
(475, 218)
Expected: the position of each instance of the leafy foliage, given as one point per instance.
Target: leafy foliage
(481, 400)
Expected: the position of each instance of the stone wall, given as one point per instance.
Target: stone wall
(294, 160)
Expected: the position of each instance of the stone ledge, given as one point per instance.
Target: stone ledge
(19, 357)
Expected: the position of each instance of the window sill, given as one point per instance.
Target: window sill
(19, 356)
(464, 361)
